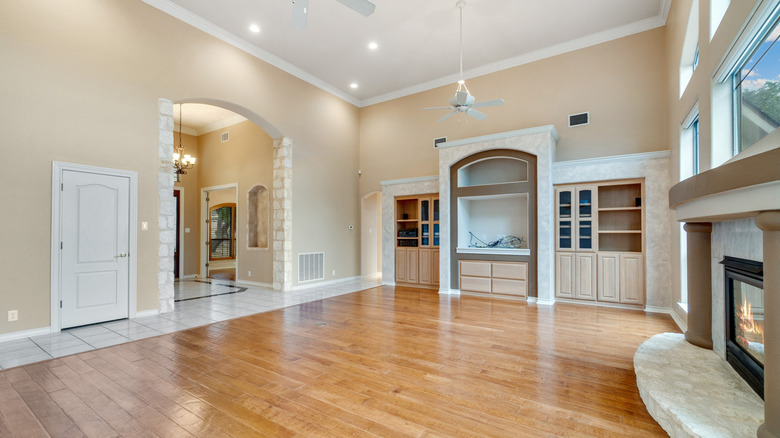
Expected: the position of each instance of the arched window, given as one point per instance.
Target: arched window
(222, 232)
(257, 217)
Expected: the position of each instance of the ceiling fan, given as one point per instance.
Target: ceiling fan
(463, 101)
(301, 10)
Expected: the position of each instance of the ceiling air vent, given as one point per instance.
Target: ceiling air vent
(437, 141)
(225, 136)
(579, 119)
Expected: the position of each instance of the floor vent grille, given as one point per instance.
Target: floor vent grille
(311, 266)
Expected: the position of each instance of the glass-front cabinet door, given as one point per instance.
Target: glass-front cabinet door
(564, 231)
(429, 222)
(586, 211)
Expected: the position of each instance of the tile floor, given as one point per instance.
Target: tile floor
(196, 308)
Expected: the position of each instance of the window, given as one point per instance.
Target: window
(689, 144)
(696, 58)
(757, 90)
(695, 128)
(222, 232)
(690, 49)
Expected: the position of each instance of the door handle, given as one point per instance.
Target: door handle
(122, 254)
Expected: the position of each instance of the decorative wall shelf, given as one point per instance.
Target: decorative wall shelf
(494, 251)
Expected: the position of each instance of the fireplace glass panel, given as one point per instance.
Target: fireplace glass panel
(748, 320)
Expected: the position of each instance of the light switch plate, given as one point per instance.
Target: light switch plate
(144, 226)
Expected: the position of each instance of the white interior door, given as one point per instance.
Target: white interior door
(95, 248)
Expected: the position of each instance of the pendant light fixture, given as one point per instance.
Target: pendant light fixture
(181, 161)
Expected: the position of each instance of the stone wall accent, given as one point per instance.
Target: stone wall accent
(167, 218)
(282, 208)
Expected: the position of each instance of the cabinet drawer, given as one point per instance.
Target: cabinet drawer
(510, 287)
(475, 284)
(512, 271)
(475, 269)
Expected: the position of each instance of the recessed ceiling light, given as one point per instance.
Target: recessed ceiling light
(373, 45)
(254, 28)
(353, 85)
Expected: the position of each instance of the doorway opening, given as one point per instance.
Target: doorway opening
(371, 236)
(219, 259)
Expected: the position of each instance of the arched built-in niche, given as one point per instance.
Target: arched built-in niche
(257, 217)
(493, 195)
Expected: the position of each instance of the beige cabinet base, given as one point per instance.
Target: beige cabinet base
(504, 278)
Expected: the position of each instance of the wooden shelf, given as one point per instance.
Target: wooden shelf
(620, 231)
(406, 220)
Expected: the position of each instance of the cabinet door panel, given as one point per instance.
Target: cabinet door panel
(475, 269)
(564, 275)
(400, 265)
(609, 277)
(475, 284)
(412, 265)
(564, 213)
(509, 287)
(511, 271)
(585, 277)
(425, 267)
(632, 282)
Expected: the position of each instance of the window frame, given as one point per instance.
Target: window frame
(760, 33)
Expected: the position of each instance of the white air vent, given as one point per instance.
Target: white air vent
(311, 266)
(437, 141)
(225, 136)
(579, 119)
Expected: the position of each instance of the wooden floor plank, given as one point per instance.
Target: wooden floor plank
(382, 362)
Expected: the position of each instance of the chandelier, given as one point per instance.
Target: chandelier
(181, 161)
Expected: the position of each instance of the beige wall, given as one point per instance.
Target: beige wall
(247, 159)
(713, 99)
(620, 83)
(191, 202)
(81, 83)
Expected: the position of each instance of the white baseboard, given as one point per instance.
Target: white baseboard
(388, 283)
(254, 284)
(545, 302)
(598, 304)
(25, 334)
(144, 313)
(653, 309)
(680, 323)
(325, 283)
(448, 291)
(188, 277)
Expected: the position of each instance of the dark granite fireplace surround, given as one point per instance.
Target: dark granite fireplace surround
(745, 319)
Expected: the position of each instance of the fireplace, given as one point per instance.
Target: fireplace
(745, 320)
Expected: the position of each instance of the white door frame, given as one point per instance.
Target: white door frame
(57, 170)
(204, 229)
(180, 214)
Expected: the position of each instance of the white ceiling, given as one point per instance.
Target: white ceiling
(418, 39)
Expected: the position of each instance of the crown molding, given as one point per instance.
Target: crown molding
(212, 29)
(538, 55)
(614, 159)
(204, 25)
(417, 179)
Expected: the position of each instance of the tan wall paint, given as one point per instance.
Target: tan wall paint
(247, 159)
(82, 81)
(699, 89)
(618, 82)
(191, 198)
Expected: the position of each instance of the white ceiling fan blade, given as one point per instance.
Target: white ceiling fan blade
(364, 7)
(447, 116)
(494, 102)
(438, 108)
(300, 13)
(476, 114)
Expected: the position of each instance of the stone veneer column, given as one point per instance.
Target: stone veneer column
(769, 223)
(167, 218)
(282, 206)
(699, 331)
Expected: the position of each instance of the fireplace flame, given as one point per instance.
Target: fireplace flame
(746, 321)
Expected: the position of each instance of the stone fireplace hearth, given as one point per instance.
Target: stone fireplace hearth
(732, 210)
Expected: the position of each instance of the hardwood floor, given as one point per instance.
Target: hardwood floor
(382, 362)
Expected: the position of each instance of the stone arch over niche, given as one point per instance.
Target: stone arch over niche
(281, 197)
(258, 217)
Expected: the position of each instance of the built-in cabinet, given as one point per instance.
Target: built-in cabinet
(417, 240)
(505, 278)
(600, 239)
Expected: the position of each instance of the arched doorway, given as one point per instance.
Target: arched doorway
(281, 198)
